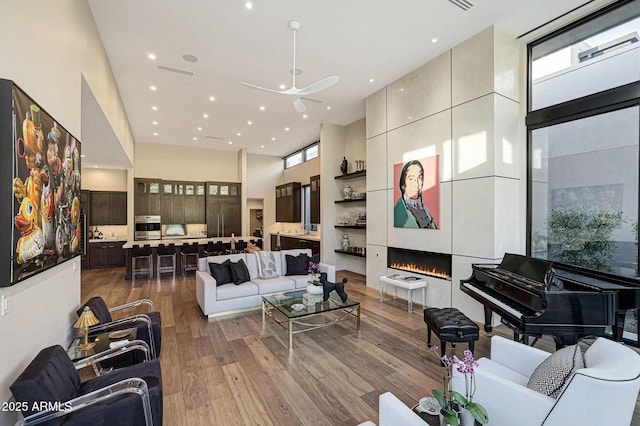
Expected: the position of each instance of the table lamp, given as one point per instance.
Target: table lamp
(86, 320)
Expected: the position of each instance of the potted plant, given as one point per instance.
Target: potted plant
(315, 286)
(452, 403)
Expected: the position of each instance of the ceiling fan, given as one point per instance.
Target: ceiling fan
(295, 94)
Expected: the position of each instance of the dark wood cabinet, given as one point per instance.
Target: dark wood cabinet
(287, 243)
(182, 202)
(108, 208)
(288, 202)
(223, 209)
(314, 201)
(106, 254)
(146, 197)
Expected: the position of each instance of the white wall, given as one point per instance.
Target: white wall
(264, 173)
(47, 48)
(104, 180)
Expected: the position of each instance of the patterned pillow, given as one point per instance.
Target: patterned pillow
(266, 264)
(550, 377)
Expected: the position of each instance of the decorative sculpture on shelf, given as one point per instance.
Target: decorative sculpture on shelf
(344, 167)
(328, 287)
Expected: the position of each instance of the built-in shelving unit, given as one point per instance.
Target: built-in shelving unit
(350, 227)
(350, 253)
(353, 200)
(353, 175)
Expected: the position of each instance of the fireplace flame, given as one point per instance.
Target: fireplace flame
(412, 267)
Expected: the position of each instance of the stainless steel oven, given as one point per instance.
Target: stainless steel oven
(148, 227)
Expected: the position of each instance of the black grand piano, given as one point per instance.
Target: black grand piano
(535, 297)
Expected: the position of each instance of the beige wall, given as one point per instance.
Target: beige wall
(104, 180)
(180, 163)
(47, 48)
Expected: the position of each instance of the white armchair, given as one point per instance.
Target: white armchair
(604, 392)
(393, 412)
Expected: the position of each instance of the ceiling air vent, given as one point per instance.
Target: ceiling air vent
(462, 4)
(215, 137)
(176, 70)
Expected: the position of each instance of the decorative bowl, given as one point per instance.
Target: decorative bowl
(430, 405)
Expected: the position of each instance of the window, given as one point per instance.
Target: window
(583, 124)
(299, 157)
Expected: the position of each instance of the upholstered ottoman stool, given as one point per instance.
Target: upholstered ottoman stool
(450, 325)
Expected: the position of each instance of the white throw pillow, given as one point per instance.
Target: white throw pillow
(266, 264)
(550, 377)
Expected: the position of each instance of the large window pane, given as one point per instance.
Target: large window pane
(585, 61)
(584, 195)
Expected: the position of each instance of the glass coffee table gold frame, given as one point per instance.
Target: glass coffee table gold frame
(281, 305)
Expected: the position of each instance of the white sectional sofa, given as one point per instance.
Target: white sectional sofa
(230, 298)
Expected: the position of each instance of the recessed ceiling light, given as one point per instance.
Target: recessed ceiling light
(189, 57)
(282, 86)
(199, 129)
(262, 108)
(273, 139)
(230, 143)
(261, 146)
(155, 108)
(305, 116)
(153, 87)
(195, 138)
(155, 123)
(82, 156)
(155, 133)
(328, 107)
(205, 115)
(434, 40)
(248, 5)
(286, 129)
(212, 98)
(371, 80)
(239, 134)
(152, 56)
(95, 167)
(249, 123)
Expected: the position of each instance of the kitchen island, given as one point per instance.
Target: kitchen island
(201, 242)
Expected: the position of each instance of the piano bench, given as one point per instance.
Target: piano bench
(450, 325)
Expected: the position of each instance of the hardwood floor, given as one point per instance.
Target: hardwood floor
(232, 371)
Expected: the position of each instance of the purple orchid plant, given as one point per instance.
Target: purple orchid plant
(449, 399)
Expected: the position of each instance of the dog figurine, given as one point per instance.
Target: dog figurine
(328, 287)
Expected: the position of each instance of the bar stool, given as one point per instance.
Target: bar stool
(259, 243)
(143, 254)
(189, 252)
(213, 248)
(166, 252)
(240, 246)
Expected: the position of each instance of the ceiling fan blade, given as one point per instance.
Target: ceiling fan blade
(323, 84)
(263, 88)
(298, 105)
(318, 101)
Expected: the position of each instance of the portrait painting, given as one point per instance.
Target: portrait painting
(416, 194)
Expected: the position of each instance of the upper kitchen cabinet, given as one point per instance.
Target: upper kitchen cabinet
(314, 199)
(108, 208)
(288, 202)
(194, 202)
(146, 198)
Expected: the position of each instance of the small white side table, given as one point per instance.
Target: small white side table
(407, 282)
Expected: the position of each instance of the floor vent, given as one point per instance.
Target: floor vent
(462, 4)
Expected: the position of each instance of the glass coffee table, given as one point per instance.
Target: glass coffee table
(288, 310)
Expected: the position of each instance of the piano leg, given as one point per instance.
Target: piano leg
(488, 321)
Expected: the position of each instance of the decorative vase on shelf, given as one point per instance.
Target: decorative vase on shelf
(347, 191)
(344, 167)
(345, 242)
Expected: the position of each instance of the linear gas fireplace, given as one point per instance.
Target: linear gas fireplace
(421, 262)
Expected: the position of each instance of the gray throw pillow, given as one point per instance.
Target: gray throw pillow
(550, 377)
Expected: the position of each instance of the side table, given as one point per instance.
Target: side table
(407, 282)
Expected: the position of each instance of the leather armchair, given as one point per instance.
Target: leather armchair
(149, 325)
(50, 392)
(604, 392)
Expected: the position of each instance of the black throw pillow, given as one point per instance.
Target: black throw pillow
(315, 259)
(239, 272)
(297, 265)
(221, 272)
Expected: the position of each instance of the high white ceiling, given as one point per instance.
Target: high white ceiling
(357, 40)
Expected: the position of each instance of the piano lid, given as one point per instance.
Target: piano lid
(535, 269)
